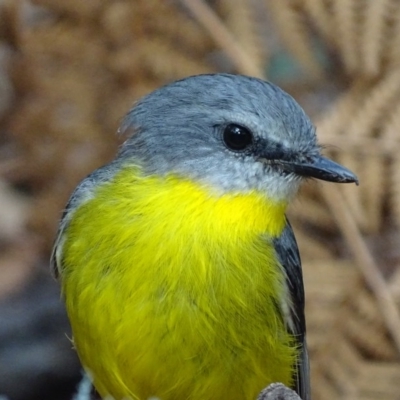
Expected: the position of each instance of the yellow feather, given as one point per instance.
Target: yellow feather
(172, 291)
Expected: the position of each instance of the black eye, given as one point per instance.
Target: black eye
(236, 137)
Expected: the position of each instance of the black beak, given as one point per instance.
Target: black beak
(320, 168)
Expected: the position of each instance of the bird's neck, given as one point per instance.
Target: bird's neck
(191, 207)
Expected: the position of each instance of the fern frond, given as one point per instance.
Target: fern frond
(391, 130)
(374, 34)
(364, 121)
(377, 102)
(172, 23)
(312, 249)
(352, 193)
(374, 190)
(80, 10)
(334, 122)
(365, 328)
(321, 16)
(308, 208)
(163, 61)
(240, 17)
(294, 31)
(393, 40)
(346, 20)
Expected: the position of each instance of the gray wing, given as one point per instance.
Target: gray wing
(288, 255)
(83, 192)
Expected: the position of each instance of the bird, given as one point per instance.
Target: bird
(179, 269)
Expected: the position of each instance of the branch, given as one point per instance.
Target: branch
(221, 35)
(364, 260)
(278, 391)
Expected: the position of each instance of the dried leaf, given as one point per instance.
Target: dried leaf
(295, 34)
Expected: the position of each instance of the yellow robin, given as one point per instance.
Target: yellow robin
(180, 272)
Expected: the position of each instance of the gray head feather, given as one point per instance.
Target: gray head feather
(179, 127)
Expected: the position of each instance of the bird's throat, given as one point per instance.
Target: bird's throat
(189, 206)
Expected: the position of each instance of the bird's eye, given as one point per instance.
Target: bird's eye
(237, 137)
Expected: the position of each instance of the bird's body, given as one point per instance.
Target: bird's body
(192, 294)
(180, 272)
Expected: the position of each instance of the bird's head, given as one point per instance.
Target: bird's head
(233, 133)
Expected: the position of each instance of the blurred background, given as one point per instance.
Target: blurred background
(71, 69)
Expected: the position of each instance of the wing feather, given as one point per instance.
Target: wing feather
(289, 257)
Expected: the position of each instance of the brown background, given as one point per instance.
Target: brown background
(70, 70)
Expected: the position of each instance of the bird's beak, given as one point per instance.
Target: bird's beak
(320, 168)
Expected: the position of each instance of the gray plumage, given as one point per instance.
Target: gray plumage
(178, 128)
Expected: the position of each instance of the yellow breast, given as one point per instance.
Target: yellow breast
(173, 291)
